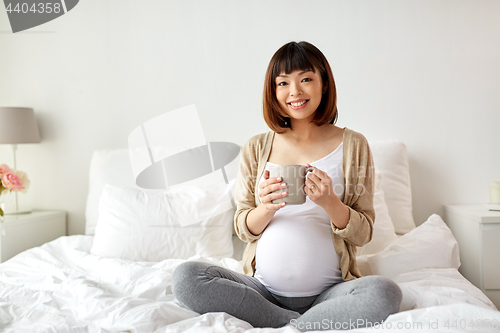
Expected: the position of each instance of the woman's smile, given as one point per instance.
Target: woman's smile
(298, 104)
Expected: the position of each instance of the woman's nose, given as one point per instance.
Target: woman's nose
(295, 89)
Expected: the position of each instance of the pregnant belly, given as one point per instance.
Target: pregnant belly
(297, 258)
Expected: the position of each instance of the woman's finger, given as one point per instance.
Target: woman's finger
(269, 181)
(319, 173)
(314, 178)
(268, 199)
(310, 183)
(265, 190)
(310, 186)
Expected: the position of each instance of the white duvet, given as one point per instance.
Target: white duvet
(61, 287)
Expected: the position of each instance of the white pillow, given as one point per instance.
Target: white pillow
(113, 167)
(383, 229)
(144, 226)
(430, 245)
(391, 159)
(106, 167)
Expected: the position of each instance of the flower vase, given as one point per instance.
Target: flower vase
(2, 209)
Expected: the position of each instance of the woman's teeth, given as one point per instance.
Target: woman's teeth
(298, 104)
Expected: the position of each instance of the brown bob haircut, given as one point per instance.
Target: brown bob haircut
(292, 57)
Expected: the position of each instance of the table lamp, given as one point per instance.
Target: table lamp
(17, 125)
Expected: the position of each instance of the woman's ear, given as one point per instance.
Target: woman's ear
(325, 88)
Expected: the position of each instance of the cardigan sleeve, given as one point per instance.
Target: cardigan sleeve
(360, 185)
(245, 190)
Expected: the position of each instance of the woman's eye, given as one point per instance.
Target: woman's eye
(307, 79)
(282, 84)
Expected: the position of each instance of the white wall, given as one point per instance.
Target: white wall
(423, 72)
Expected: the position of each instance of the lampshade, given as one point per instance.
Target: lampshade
(18, 125)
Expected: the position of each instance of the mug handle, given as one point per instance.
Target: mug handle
(311, 168)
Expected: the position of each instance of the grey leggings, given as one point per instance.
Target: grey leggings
(366, 301)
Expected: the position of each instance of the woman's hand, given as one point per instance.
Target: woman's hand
(259, 218)
(268, 186)
(319, 188)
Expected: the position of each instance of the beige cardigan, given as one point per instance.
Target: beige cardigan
(358, 197)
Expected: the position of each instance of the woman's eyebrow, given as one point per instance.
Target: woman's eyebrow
(283, 75)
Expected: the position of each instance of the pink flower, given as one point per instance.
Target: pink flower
(24, 180)
(12, 181)
(3, 169)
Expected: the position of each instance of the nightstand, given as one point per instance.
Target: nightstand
(24, 231)
(477, 231)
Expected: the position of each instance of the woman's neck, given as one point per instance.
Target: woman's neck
(307, 132)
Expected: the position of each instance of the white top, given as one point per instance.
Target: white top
(295, 255)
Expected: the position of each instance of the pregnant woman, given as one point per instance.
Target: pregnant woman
(300, 260)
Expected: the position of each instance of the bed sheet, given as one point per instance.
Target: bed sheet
(61, 287)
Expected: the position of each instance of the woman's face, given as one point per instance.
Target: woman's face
(299, 93)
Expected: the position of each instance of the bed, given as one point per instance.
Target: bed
(116, 277)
